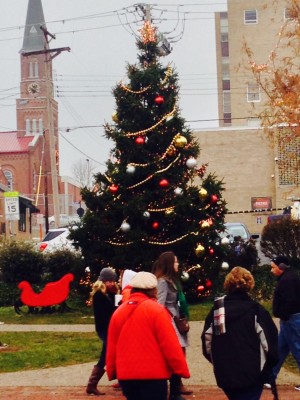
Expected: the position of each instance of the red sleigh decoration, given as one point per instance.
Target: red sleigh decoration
(53, 294)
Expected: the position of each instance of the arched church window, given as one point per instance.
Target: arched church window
(9, 177)
(36, 69)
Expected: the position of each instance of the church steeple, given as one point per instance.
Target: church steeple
(34, 38)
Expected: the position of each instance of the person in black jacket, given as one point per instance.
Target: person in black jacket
(286, 306)
(102, 297)
(240, 339)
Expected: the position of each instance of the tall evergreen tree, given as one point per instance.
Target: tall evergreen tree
(153, 196)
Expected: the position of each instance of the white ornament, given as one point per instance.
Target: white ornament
(225, 240)
(178, 191)
(191, 162)
(125, 227)
(130, 169)
(87, 270)
(146, 214)
(185, 276)
(225, 265)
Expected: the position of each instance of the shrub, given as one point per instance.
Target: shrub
(282, 237)
(19, 261)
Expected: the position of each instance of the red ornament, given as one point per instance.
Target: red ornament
(164, 183)
(159, 100)
(200, 288)
(208, 284)
(214, 198)
(211, 251)
(114, 188)
(140, 140)
(155, 225)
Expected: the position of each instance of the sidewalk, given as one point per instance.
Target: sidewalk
(69, 382)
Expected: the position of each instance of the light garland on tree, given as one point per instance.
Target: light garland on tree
(161, 209)
(144, 131)
(126, 88)
(168, 74)
(155, 173)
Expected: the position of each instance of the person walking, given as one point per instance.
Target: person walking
(125, 279)
(165, 269)
(240, 339)
(142, 349)
(102, 297)
(286, 306)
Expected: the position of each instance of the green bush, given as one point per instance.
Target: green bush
(282, 237)
(19, 261)
(8, 294)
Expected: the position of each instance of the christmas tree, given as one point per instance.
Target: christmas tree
(153, 197)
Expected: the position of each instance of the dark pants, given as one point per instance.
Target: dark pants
(103, 336)
(145, 389)
(252, 393)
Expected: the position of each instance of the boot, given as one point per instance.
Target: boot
(95, 377)
(184, 389)
(175, 388)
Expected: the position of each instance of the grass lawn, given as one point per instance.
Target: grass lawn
(33, 350)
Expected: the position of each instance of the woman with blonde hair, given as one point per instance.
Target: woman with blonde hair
(240, 339)
(102, 298)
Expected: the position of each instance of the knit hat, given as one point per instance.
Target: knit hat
(144, 280)
(282, 262)
(107, 274)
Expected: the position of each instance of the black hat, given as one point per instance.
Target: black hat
(282, 262)
(107, 275)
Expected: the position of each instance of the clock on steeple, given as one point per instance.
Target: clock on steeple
(33, 88)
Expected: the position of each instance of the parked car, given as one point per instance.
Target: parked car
(64, 220)
(56, 239)
(235, 229)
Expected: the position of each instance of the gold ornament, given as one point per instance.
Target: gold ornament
(115, 117)
(204, 224)
(203, 193)
(148, 33)
(199, 250)
(180, 142)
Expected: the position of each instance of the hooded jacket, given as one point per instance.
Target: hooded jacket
(286, 300)
(142, 343)
(244, 355)
(125, 286)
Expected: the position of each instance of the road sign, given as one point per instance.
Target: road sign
(12, 210)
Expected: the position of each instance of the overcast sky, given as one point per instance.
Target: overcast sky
(101, 35)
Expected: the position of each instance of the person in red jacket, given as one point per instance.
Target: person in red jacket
(143, 350)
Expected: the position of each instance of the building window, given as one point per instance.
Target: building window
(288, 158)
(9, 177)
(226, 102)
(253, 92)
(224, 49)
(41, 126)
(226, 84)
(27, 126)
(34, 126)
(36, 69)
(250, 17)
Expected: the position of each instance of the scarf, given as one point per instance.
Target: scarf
(219, 316)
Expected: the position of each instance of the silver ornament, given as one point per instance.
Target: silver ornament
(225, 240)
(191, 162)
(178, 191)
(125, 227)
(146, 214)
(185, 276)
(130, 169)
(225, 265)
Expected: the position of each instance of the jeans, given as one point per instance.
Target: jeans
(103, 336)
(288, 341)
(145, 389)
(252, 393)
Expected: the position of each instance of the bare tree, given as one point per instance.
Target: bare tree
(83, 172)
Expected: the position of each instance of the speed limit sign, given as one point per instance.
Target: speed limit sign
(12, 211)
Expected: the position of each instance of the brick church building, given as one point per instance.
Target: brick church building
(29, 156)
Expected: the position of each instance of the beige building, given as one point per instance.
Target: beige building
(256, 171)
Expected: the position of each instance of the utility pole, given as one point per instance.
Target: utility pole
(49, 55)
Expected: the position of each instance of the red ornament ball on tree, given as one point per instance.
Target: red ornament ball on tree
(200, 288)
(214, 198)
(164, 183)
(211, 251)
(140, 140)
(208, 284)
(114, 188)
(155, 225)
(159, 100)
